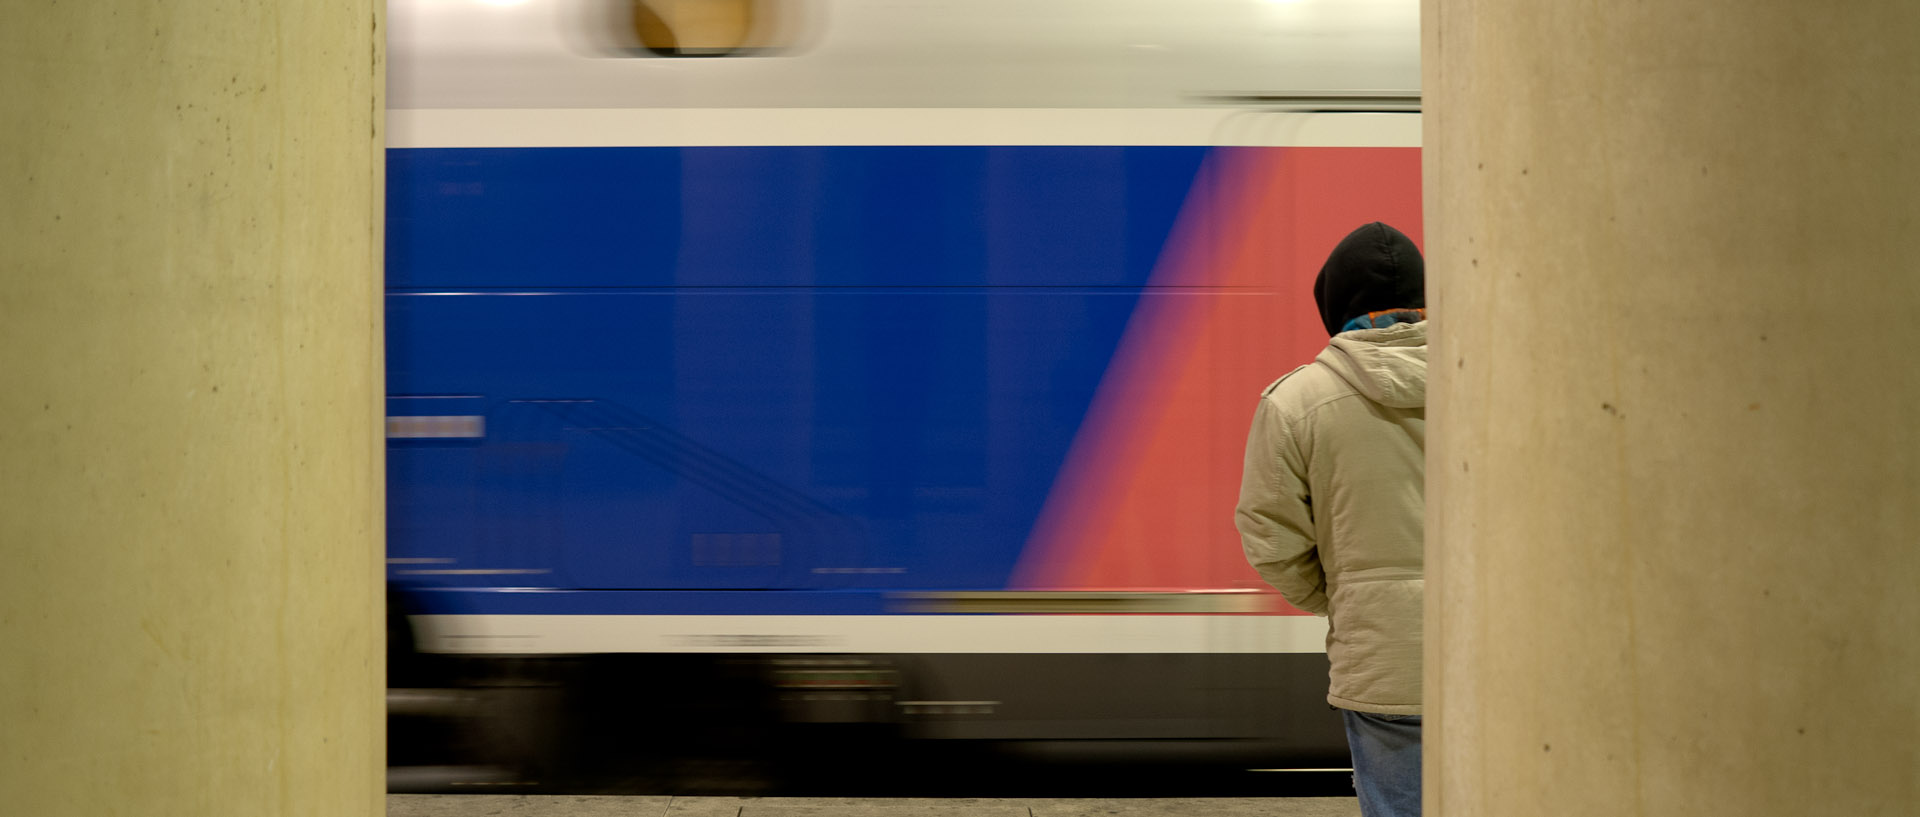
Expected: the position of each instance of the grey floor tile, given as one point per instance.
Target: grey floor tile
(488, 805)
(844, 807)
(1199, 807)
(705, 806)
(514, 805)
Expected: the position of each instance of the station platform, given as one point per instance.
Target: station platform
(499, 805)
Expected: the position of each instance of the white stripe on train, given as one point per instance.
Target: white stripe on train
(882, 634)
(739, 127)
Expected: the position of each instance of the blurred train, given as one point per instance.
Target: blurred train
(767, 372)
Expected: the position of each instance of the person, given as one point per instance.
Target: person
(1332, 497)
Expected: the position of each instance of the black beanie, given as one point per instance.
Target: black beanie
(1374, 268)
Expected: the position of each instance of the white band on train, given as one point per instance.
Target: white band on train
(737, 127)
(882, 634)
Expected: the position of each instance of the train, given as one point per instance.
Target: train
(761, 371)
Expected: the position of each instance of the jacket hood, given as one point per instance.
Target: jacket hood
(1374, 268)
(1388, 365)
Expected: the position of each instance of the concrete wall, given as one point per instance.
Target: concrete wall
(190, 382)
(1674, 479)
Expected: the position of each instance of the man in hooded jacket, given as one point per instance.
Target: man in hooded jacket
(1332, 497)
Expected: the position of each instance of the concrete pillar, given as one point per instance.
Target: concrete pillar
(190, 380)
(1674, 480)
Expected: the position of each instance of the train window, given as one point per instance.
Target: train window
(705, 28)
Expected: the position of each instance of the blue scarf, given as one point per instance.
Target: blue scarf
(1385, 318)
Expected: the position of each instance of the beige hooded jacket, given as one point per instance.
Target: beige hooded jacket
(1331, 503)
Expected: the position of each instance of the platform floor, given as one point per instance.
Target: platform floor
(501, 805)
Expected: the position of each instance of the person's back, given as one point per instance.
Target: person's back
(1332, 501)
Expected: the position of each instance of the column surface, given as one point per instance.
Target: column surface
(1674, 478)
(190, 501)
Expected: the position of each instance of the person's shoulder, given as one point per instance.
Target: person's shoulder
(1302, 387)
(1275, 385)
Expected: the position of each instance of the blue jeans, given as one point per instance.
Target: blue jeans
(1386, 762)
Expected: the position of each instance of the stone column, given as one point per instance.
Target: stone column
(1673, 486)
(190, 388)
